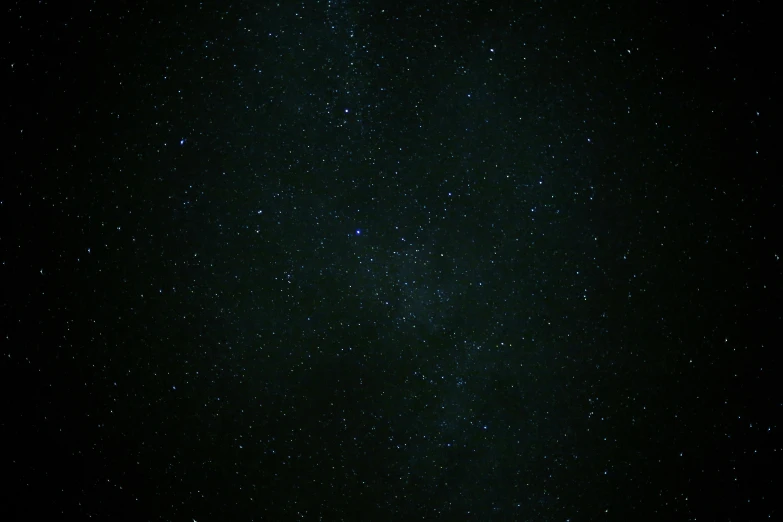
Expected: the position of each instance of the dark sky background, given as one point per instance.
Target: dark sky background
(353, 260)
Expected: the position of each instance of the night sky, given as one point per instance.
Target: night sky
(353, 260)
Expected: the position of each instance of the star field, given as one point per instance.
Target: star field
(350, 260)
